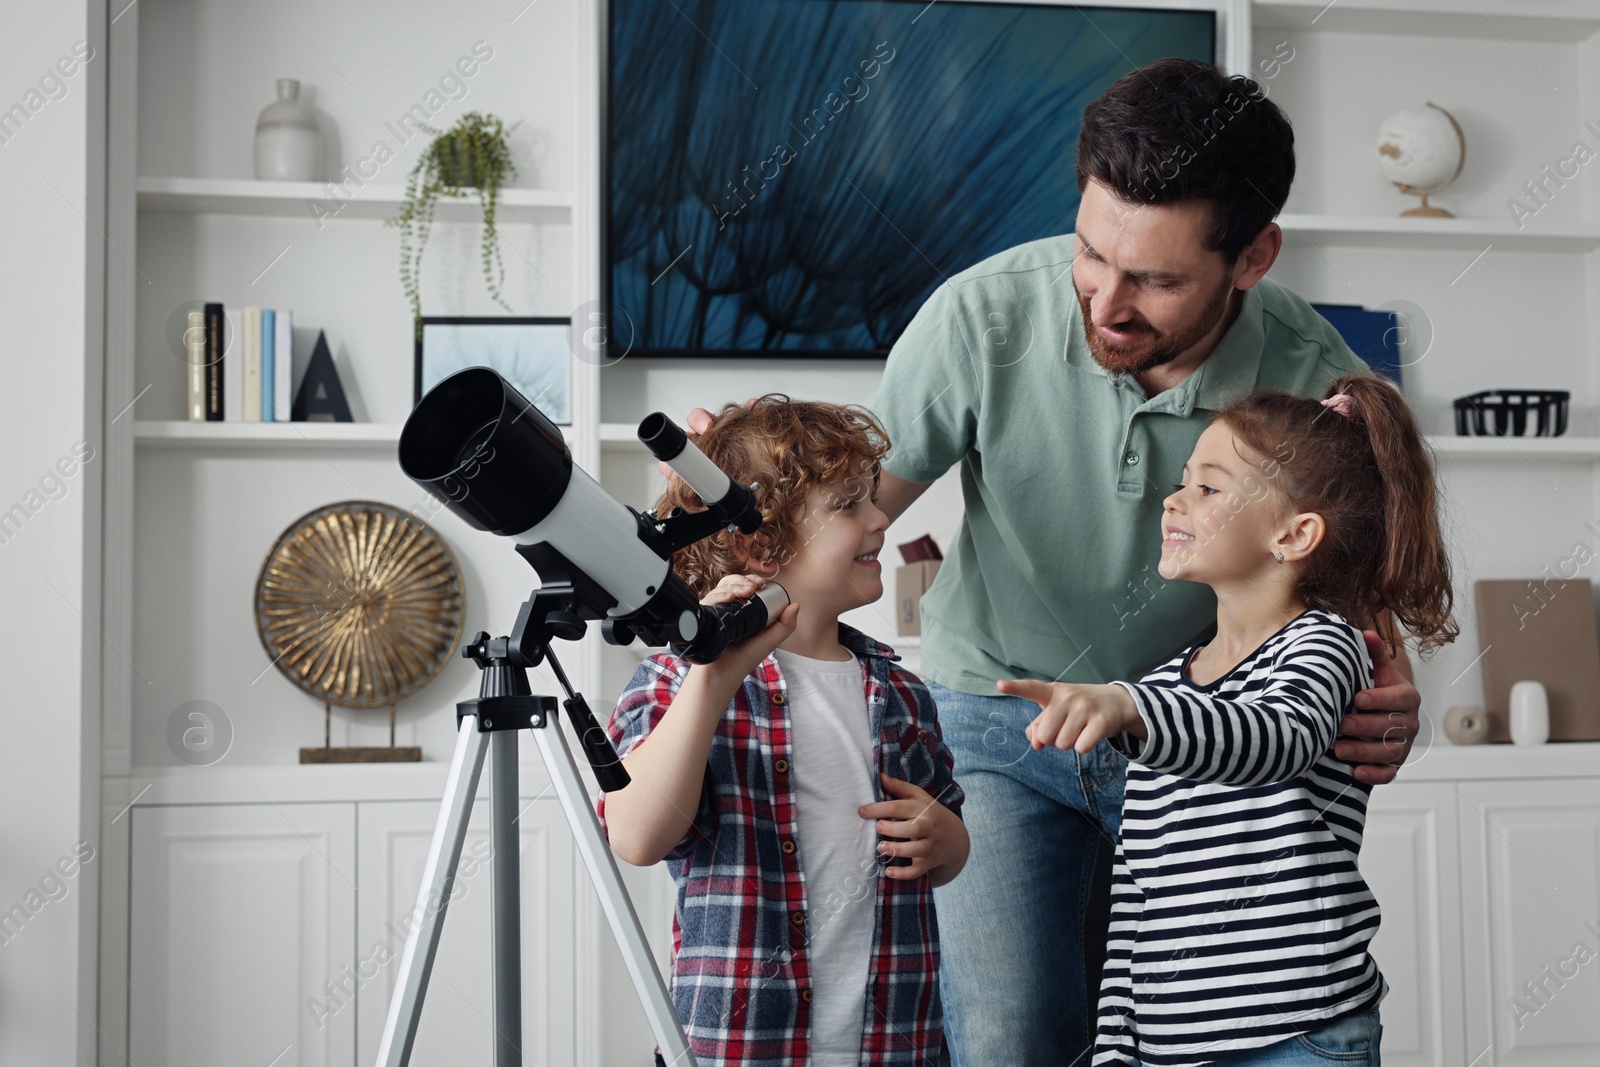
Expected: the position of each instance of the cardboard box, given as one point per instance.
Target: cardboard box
(1543, 630)
(910, 582)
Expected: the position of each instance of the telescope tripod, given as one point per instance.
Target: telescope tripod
(489, 726)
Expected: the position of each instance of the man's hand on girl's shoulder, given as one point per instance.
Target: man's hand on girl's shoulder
(1378, 738)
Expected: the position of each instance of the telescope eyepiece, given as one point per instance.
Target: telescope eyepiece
(664, 438)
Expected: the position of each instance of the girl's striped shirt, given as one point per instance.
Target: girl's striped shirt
(1239, 917)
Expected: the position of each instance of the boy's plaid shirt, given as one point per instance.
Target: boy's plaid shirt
(741, 976)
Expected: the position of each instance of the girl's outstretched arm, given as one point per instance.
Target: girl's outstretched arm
(1270, 738)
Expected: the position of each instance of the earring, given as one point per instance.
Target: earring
(1278, 556)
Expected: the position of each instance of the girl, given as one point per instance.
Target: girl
(1240, 922)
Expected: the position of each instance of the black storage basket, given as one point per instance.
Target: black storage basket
(1506, 413)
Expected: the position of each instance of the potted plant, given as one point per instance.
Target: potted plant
(470, 156)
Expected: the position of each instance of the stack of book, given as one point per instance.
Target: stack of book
(240, 365)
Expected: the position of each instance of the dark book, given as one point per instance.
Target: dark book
(216, 345)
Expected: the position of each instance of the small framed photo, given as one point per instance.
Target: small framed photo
(533, 354)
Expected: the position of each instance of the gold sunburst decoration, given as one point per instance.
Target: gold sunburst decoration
(359, 604)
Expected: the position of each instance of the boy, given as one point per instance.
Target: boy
(767, 777)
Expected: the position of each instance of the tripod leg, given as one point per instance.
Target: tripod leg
(506, 899)
(427, 918)
(614, 898)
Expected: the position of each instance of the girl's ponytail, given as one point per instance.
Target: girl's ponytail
(1413, 579)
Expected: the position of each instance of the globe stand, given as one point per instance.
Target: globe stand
(1426, 210)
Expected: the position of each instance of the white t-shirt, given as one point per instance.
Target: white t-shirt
(833, 774)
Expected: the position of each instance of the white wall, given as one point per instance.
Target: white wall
(50, 277)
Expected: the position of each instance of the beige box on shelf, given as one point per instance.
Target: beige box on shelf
(910, 582)
(1541, 630)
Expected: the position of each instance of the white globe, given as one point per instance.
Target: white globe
(1420, 147)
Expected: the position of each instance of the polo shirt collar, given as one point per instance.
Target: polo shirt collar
(1234, 366)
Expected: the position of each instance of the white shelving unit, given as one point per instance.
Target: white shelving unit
(194, 506)
(1477, 877)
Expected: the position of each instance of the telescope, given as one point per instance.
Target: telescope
(494, 459)
(484, 451)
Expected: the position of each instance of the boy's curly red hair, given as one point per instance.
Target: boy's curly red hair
(786, 447)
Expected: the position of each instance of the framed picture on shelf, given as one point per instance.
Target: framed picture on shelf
(532, 354)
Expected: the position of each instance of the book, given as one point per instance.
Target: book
(282, 364)
(1375, 336)
(194, 339)
(216, 341)
(233, 367)
(268, 348)
(252, 364)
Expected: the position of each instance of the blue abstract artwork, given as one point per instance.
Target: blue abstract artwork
(797, 176)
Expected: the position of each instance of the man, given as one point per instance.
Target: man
(1070, 378)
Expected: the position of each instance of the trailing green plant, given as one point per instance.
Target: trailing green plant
(471, 156)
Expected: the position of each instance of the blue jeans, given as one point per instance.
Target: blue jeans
(1352, 1041)
(1011, 925)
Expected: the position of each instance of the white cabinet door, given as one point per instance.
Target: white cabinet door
(455, 1025)
(1530, 886)
(239, 915)
(1409, 859)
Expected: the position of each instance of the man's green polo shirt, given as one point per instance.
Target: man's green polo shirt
(1064, 467)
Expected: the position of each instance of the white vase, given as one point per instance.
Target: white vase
(1530, 713)
(288, 138)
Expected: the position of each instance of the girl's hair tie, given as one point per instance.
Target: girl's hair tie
(1343, 403)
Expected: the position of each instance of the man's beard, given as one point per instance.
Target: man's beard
(1154, 349)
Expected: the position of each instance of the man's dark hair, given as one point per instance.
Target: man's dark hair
(1179, 130)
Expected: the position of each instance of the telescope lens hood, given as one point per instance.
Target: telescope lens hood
(483, 450)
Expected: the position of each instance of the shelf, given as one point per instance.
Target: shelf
(1522, 20)
(1489, 448)
(298, 783)
(295, 783)
(179, 434)
(1441, 761)
(623, 437)
(1378, 231)
(620, 436)
(237, 435)
(314, 201)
